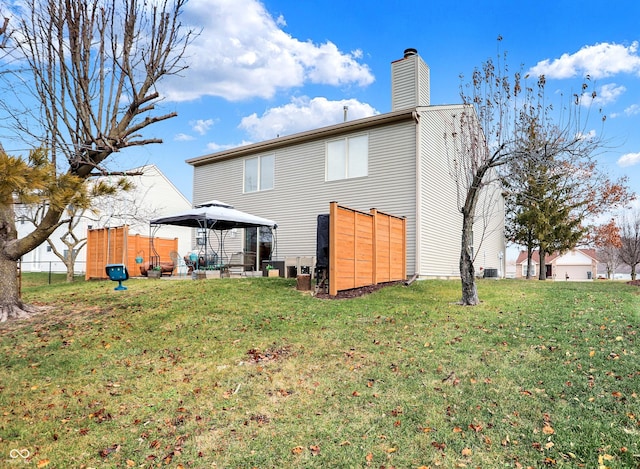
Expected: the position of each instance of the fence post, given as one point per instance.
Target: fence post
(333, 246)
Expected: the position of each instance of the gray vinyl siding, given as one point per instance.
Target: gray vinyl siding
(424, 84)
(488, 230)
(410, 83)
(440, 218)
(300, 192)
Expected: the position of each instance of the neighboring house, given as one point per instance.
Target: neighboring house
(153, 195)
(622, 272)
(395, 162)
(575, 265)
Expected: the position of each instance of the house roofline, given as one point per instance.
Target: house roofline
(522, 255)
(309, 135)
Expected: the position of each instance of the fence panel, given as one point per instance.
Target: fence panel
(365, 248)
(116, 246)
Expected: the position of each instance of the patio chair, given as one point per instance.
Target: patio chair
(179, 264)
(236, 264)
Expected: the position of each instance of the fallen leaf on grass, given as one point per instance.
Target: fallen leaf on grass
(315, 450)
(297, 450)
(391, 450)
(43, 463)
(548, 430)
(107, 451)
(466, 452)
(476, 428)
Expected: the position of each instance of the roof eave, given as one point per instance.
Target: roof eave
(324, 132)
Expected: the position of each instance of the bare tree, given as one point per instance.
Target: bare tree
(630, 240)
(73, 244)
(501, 111)
(90, 69)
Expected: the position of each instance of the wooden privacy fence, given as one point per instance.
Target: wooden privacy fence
(117, 246)
(365, 248)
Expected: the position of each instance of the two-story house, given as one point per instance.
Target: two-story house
(397, 162)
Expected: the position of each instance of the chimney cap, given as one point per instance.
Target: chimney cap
(410, 52)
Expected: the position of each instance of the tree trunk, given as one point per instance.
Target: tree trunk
(11, 249)
(633, 272)
(529, 260)
(467, 271)
(543, 268)
(70, 271)
(11, 306)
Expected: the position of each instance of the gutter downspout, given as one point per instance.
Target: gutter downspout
(418, 228)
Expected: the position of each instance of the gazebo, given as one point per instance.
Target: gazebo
(213, 216)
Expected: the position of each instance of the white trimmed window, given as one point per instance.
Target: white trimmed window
(347, 158)
(259, 173)
(524, 270)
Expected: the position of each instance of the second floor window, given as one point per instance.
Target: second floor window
(347, 158)
(259, 173)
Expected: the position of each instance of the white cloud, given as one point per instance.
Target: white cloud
(183, 137)
(630, 159)
(586, 136)
(598, 61)
(608, 94)
(303, 114)
(215, 147)
(201, 125)
(242, 53)
(632, 110)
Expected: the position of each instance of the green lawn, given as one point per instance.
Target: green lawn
(242, 373)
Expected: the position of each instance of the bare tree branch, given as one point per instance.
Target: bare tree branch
(81, 77)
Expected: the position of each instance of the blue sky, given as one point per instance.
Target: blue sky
(276, 67)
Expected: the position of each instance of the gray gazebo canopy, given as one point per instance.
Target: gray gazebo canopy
(214, 215)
